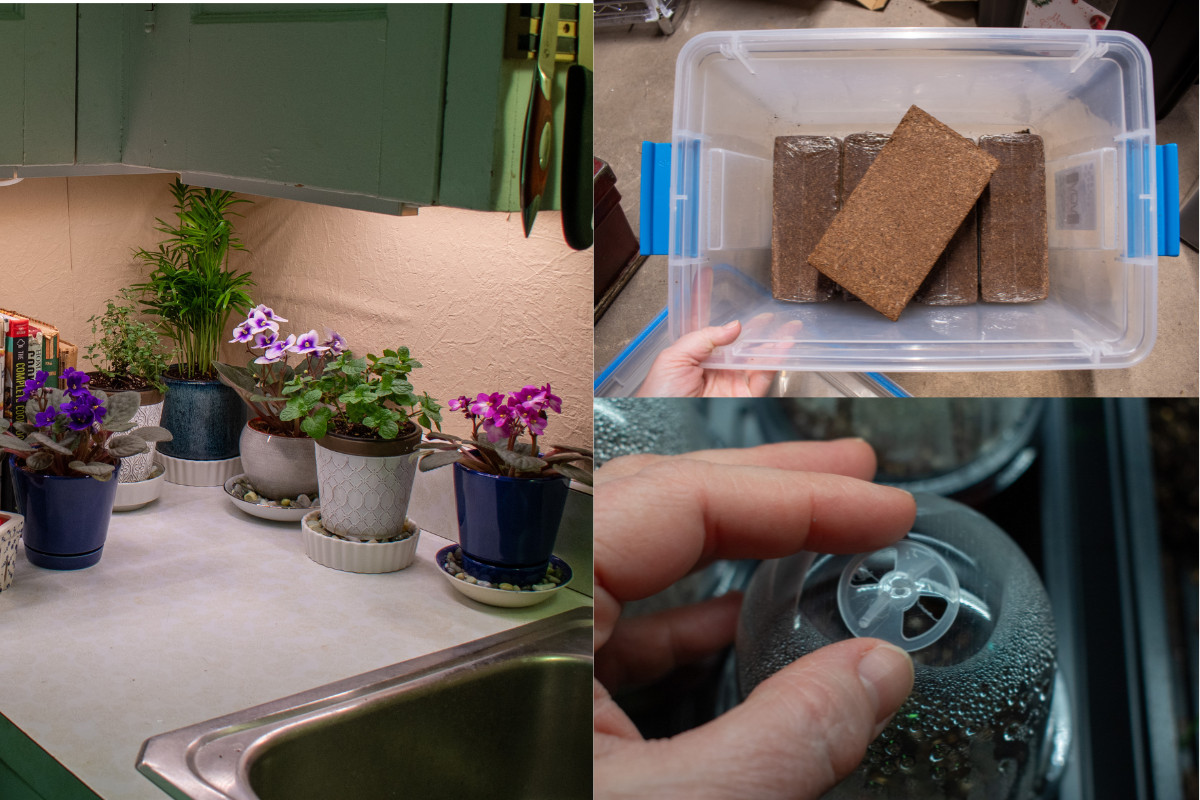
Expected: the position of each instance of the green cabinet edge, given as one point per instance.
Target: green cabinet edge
(23, 762)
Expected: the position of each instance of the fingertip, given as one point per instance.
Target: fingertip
(886, 673)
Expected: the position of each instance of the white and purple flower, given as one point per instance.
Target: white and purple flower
(306, 343)
(277, 350)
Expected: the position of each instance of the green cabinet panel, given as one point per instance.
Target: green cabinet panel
(37, 84)
(346, 99)
(27, 772)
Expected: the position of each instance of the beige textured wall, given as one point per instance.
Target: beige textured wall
(483, 308)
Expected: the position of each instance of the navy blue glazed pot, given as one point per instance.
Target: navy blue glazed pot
(205, 417)
(66, 517)
(507, 526)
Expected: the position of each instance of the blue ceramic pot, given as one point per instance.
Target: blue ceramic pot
(205, 417)
(507, 524)
(66, 517)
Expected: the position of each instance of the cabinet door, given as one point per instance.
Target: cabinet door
(37, 84)
(344, 98)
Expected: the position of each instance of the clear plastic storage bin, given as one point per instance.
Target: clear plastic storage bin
(1086, 93)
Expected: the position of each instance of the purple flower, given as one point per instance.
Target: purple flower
(83, 411)
(44, 419)
(36, 383)
(265, 339)
(335, 343)
(73, 380)
(242, 333)
(489, 406)
(277, 350)
(307, 343)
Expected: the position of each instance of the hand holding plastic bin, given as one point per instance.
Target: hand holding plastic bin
(659, 517)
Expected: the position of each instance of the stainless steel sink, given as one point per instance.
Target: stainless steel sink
(507, 716)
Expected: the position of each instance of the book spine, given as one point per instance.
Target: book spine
(50, 358)
(21, 363)
(14, 328)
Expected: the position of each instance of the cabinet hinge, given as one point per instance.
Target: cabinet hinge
(148, 19)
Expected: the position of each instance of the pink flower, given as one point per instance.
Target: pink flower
(500, 425)
(489, 406)
(553, 402)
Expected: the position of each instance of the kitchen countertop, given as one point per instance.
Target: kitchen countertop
(197, 610)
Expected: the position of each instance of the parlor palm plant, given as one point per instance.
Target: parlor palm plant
(191, 290)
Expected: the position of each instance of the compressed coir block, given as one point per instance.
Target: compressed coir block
(1013, 255)
(858, 153)
(954, 279)
(805, 200)
(892, 228)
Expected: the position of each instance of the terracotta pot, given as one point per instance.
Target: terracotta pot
(366, 484)
(278, 466)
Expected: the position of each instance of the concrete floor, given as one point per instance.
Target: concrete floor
(634, 96)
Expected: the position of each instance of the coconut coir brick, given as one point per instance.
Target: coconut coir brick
(858, 153)
(892, 228)
(1013, 255)
(954, 279)
(807, 172)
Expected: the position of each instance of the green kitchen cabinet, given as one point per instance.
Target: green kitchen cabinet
(37, 84)
(384, 107)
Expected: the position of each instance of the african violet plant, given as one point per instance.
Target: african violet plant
(369, 398)
(261, 382)
(72, 432)
(497, 425)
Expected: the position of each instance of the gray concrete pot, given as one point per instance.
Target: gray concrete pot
(278, 466)
(366, 484)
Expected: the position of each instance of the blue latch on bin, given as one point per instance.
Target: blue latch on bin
(1167, 181)
(655, 218)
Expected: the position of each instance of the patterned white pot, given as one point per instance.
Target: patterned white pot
(138, 468)
(10, 534)
(365, 485)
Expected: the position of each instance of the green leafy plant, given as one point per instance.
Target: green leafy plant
(126, 351)
(190, 288)
(367, 397)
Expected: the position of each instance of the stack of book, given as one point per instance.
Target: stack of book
(30, 346)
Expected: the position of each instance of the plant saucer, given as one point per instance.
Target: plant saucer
(273, 513)
(136, 494)
(330, 550)
(504, 598)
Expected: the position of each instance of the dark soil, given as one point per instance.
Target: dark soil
(117, 383)
(345, 428)
(176, 373)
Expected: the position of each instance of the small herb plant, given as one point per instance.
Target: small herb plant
(126, 352)
(73, 428)
(261, 382)
(497, 425)
(366, 397)
(191, 289)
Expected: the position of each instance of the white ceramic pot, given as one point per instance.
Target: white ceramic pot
(10, 534)
(366, 484)
(138, 468)
(139, 493)
(278, 466)
(364, 557)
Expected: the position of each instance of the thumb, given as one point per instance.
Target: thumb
(698, 345)
(798, 733)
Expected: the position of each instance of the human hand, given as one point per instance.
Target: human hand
(659, 517)
(676, 372)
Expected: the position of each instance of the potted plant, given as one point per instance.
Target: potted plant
(366, 418)
(62, 468)
(277, 455)
(509, 495)
(191, 291)
(126, 356)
